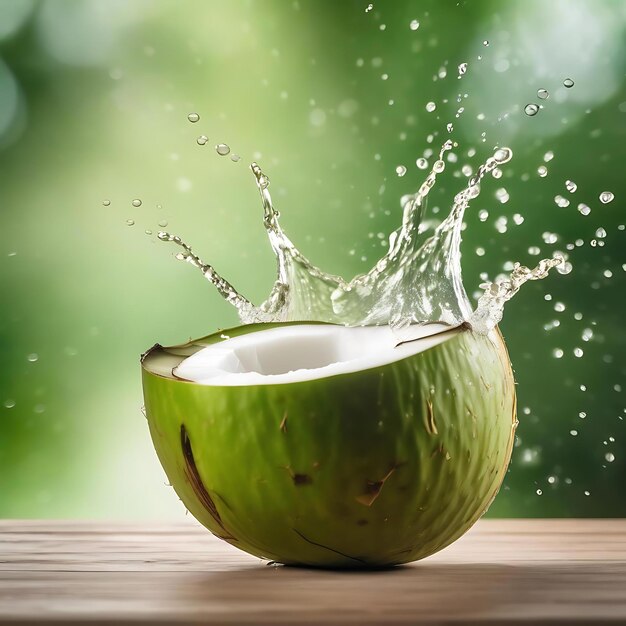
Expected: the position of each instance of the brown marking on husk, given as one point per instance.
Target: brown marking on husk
(299, 479)
(373, 489)
(193, 476)
(283, 423)
(321, 545)
(431, 425)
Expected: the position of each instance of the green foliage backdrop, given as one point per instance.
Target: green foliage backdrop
(329, 98)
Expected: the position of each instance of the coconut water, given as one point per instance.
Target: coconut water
(418, 280)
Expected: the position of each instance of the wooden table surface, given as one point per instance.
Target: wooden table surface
(501, 572)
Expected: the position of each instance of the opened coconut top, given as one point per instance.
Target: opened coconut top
(290, 353)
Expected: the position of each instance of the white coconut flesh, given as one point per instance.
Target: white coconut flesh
(301, 352)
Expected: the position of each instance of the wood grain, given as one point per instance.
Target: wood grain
(501, 572)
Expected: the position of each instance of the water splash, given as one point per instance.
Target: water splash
(417, 281)
(496, 294)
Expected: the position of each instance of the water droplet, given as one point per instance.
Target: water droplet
(462, 69)
(163, 223)
(222, 149)
(503, 155)
(542, 170)
(610, 457)
(559, 307)
(518, 219)
(414, 25)
(539, 492)
(235, 158)
(587, 493)
(583, 209)
(486, 43)
(501, 227)
(431, 106)
(601, 233)
(106, 203)
(543, 94)
(439, 166)
(130, 222)
(483, 215)
(578, 352)
(557, 353)
(136, 202)
(502, 195)
(368, 8)
(564, 268)
(193, 117)
(497, 173)
(480, 252)
(400, 170)
(561, 201)
(587, 334)
(32, 357)
(466, 170)
(449, 127)
(548, 156)
(201, 140)
(571, 186)
(568, 82)
(531, 109)
(147, 231)
(606, 197)
(9, 403)
(573, 433)
(534, 251)
(421, 163)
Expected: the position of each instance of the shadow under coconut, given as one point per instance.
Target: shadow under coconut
(424, 592)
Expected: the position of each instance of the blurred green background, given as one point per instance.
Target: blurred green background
(329, 98)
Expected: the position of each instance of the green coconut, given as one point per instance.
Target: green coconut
(346, 451)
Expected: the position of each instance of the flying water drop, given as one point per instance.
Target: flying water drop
(531, 109)
(606, 197)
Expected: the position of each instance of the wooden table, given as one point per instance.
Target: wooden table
(501, 572)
